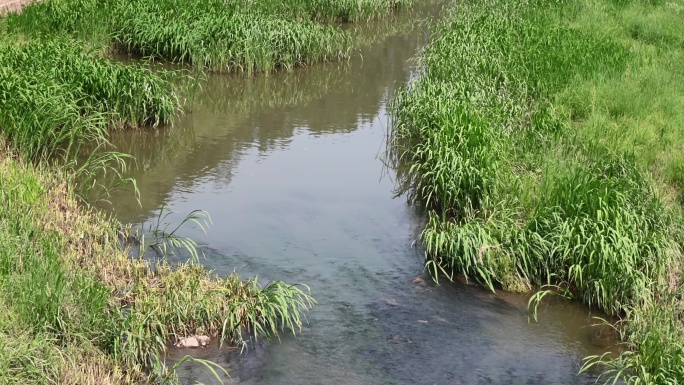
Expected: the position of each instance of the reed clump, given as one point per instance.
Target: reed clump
(541, 162)
(222, 37)
(55, 96)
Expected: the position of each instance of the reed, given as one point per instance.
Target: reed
(76, 309)
(218, 35)
(223, 38)
(540, 162)
(55, 97)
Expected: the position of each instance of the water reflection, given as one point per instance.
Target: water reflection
(233, 114)
(287, 166)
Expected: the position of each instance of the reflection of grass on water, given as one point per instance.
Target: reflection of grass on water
(245, 95)
(229, 109)
(545, 140)
(331, 11)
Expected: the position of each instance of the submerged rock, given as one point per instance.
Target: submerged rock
(193, 342)
(604, 335)
(203, 340)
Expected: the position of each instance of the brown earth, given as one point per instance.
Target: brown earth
(12, 5)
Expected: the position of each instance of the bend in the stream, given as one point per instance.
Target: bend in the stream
(288, 167)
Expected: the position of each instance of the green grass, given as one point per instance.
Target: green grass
(76, 309)
(217, 35)
(55, 96)
(544, 139)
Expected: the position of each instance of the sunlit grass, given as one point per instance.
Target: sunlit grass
(77, 309)
(544, 140)
(56, 97)
(218, 35)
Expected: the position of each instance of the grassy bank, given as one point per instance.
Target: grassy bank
(544, 139)
(76, 309)
(56, 97)
(217, 35)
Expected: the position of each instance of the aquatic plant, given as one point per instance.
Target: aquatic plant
(55, 95)
(530, 143)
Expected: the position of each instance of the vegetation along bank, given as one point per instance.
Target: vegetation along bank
(218, 35)
(545, 140)
(74, 307)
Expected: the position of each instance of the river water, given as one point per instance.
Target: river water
(289, 166)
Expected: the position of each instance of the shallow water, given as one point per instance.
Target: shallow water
(289, 167)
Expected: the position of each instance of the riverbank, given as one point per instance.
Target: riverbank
(77, 309)
(545, 143)
(242, 36)
(87, 311)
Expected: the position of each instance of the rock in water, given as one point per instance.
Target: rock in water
(188, 342)
(203, 340)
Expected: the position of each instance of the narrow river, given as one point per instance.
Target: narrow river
(289, 168)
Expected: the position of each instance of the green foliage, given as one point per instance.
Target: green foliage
(219, 35)
(189, 300)
(55, 97)
(544, 138)
(653, 350)
(213, 35)
(76, 309)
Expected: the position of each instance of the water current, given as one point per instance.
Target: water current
(289, 166)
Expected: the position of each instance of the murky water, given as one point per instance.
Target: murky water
(288, 166)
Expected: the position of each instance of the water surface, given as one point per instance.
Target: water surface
(289, 167)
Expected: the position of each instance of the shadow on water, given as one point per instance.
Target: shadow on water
(287, 165)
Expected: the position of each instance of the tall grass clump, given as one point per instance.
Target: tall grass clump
(85, 19)
(331, 11)
(76, 309)
(218, 35)
(530, 141)
(54, 96)
(222, 37)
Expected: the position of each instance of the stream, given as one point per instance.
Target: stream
(289, 166)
